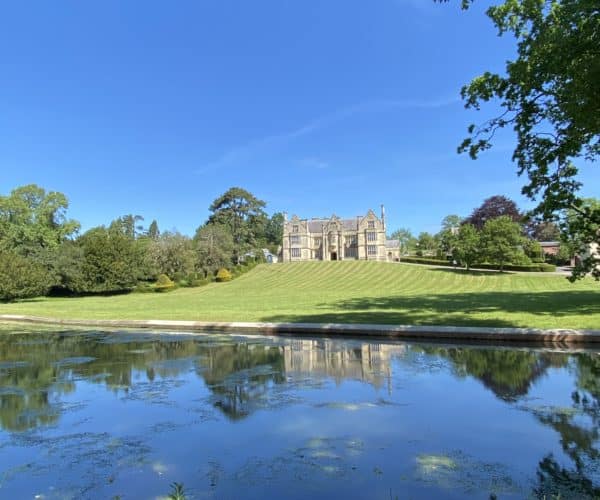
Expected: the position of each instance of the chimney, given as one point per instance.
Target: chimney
(383, 216)
(284, 216)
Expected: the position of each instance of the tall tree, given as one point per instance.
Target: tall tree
(467, 245)
(214, 246)
(243, 214)
(550, 97)
(542, 230)
(427, 244)
(171, 254)
(501, 241)
(32, 219)
(451, 222)
(153, 231)
(406, 239)
(274, 230)
(492, 207)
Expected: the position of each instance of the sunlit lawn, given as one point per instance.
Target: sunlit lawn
(353, 292)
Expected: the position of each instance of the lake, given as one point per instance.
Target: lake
(127, 414)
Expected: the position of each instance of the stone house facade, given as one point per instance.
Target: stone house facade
(360, 238)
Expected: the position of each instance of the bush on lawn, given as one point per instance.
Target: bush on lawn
(224, 275)
(164, 284)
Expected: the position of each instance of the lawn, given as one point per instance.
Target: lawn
(353, 292)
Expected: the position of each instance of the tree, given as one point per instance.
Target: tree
(31, 220)
(407, 240)
(241, 212)
(451, 222)
(153, 231)
(274, 230)
(581, 236)
(495, 206)
(501, 241)
(427, 244)
(467, 245)
(171, 254)
(214, 247)
(21, 277)
(111, 262)
(448, 233)
(550, 95)
(129, 225)
(542, 230)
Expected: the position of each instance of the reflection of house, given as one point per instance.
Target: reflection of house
(370, 362)
(361, 238)
(550, 247)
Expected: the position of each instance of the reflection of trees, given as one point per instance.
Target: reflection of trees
(240, 375)
(36, 370)
(510, 374)
(579, 437)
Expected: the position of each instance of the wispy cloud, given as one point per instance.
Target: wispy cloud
(246, 151)
(314, 163)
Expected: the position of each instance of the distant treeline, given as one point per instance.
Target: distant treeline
(43, 252)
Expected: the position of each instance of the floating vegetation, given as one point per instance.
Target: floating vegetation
(74, 361)
(457, 470)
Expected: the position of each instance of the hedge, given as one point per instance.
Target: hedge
(530, 268)
(537, 268)
(424, 260)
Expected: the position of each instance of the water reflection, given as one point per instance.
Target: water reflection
(40, 372)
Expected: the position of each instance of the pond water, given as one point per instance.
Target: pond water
(105, 415)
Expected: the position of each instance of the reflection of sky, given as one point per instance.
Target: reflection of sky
(316, 436)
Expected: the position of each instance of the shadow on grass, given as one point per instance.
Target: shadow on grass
(458, 309)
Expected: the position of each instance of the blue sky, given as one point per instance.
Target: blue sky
(156, 108)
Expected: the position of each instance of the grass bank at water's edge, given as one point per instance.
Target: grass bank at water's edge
(352, 292)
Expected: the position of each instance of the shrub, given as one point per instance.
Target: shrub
(164, 284)
(224, 275)
(21, 278)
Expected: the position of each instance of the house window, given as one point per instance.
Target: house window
(371, 236)
(294, 229)
(317, 242)
(295, 239)
(295, 252)
(351, 240)
(371, 224)
(372, 249)
(350, 252)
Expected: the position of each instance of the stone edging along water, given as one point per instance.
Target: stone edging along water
(458, 333)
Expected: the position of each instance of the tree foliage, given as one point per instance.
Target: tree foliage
(32, 219)
(467, 245)
(241, 212)
(21, 277)
(405, 238)
(550, 96)
(214, 247)
(111, 262)
(171, 254)
(493, 207)
(501, 241)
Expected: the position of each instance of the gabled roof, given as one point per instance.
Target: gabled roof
(316, 225)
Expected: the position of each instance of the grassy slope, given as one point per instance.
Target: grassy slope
(353, 292)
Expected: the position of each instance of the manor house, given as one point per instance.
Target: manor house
(360, 238)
